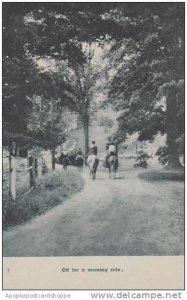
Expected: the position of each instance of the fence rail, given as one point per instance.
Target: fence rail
(22, 170)
(11, 179)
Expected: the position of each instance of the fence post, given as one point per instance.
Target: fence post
(44, 166)
(32, 171)
(40, 167)
(36, 166)
(12, 166)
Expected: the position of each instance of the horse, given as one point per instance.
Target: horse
(66, 162)
(79, 163)
(112, 165)
(93, 162)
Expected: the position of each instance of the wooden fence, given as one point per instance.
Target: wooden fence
(36, 168)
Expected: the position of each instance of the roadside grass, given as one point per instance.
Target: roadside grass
(51, 190)
(173, 175)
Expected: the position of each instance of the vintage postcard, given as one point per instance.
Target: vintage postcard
(93, 145)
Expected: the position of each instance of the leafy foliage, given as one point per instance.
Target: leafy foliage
(149, 62)
(106, 122)
(27, 38)
(142, 158)
(144, 64)
(163, 155)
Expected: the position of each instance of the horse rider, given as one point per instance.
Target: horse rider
(64, 158)
(92, 160)
(93, 151)
(80, 154)
(111, 150)
(65, 153)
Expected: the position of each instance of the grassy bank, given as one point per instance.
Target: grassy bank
(51, 190)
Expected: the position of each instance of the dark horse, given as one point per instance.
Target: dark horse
(112, 165)
(93, 162)
(79, 163)
(65, 162)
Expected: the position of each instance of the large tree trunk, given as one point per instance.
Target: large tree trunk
(85, 118)
(172, 130)
(86, 136)
(52, 134)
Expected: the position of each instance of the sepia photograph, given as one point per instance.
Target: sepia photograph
(93, 134)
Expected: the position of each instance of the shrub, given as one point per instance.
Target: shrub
(162, 152)
(142, 159)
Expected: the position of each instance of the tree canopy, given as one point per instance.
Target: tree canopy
(33, 31)
(149, 62)
(144, 64)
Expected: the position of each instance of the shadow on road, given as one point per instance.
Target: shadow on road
(107, 178)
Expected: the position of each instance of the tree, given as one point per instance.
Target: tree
(46, 125)
(20, 78)
(46, 121)
(83, 76)
(20, 81)
(105, 121)
(149, 60)
(27, 38)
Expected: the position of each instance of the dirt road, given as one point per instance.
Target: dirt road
(126, 216)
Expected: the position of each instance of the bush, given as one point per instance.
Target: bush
(51, 190)
(162, 152)
(142, 159)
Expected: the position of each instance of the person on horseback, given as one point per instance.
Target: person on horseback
(111, 150)
(65, 152)
(92, 154)
(80, 154)
(79, 160)
(62, 156)
(93, 160)
(93, 149)
(65, 159)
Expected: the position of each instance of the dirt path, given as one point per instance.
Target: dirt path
(126, 216)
